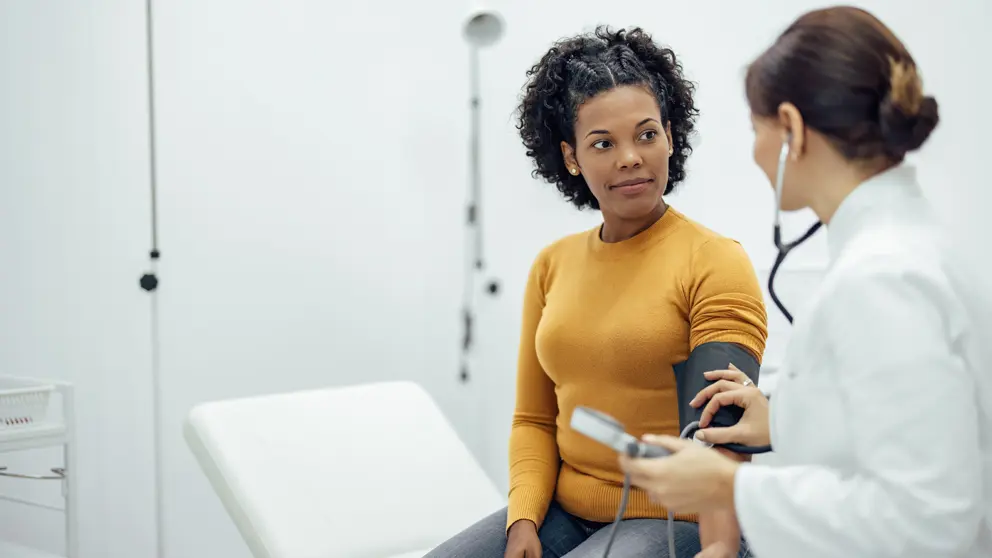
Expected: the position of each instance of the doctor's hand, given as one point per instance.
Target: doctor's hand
(694, 479)
(752, 429)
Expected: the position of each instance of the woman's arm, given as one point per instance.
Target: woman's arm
(725, 301)
(725, 306)
(534, 458)
(719, 534)
(916, 487)
(720, 527)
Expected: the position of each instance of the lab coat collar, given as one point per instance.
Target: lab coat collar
(871, 196)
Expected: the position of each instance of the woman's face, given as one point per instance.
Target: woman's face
(621, 150)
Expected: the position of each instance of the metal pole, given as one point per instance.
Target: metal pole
(70, 484)
(473, 256)
(150, 283)
(475, 176)
(157, 426)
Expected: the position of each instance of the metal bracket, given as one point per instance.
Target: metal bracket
(59, 474)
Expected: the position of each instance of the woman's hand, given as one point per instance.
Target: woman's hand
(694, 479)
(752, 429)
(522, 541)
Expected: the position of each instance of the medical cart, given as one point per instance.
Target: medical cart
(38, 414)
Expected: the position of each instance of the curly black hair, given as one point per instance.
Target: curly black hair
(576, 69)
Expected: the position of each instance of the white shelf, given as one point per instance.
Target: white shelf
(41, 404)
(43, 435)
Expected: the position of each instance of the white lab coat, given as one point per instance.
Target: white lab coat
(882, 414)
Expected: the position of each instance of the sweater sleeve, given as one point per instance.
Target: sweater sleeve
(725, 299)
(534, 459)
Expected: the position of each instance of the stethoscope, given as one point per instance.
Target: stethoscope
(783, 251)
(784, 248)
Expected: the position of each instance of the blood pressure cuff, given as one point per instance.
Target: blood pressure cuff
(689, 379)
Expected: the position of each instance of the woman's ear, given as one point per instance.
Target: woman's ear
(568, 154)
(668, 134)
(791, 121)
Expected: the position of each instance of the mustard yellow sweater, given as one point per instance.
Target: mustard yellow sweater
(603, 325)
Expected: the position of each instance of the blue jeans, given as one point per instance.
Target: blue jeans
(566, 536)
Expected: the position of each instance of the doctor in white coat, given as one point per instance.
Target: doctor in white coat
(882, 415)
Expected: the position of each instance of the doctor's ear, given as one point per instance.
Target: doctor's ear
(791, 121)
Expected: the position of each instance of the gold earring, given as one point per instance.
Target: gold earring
(575, 172)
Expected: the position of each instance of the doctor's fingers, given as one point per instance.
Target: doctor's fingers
(713, 389)
(643, 472)
(736, 434)
(733, 374)
(652, 484)
(742, 397)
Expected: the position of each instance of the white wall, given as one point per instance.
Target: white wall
(73, 243)
(313, 171)
(313, 162)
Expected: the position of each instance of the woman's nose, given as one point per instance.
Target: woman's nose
(630, 158)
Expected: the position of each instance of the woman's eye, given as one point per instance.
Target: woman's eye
(649, 135)
(602, 144)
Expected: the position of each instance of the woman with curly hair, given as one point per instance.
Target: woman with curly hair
(614, 317)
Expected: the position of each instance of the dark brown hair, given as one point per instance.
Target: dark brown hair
(851, 79)
(577, 69)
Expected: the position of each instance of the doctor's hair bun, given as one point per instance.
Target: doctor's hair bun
(907, 117)
(574, 70)
(851, 79)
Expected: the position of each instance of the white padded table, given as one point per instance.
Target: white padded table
(370, 471)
